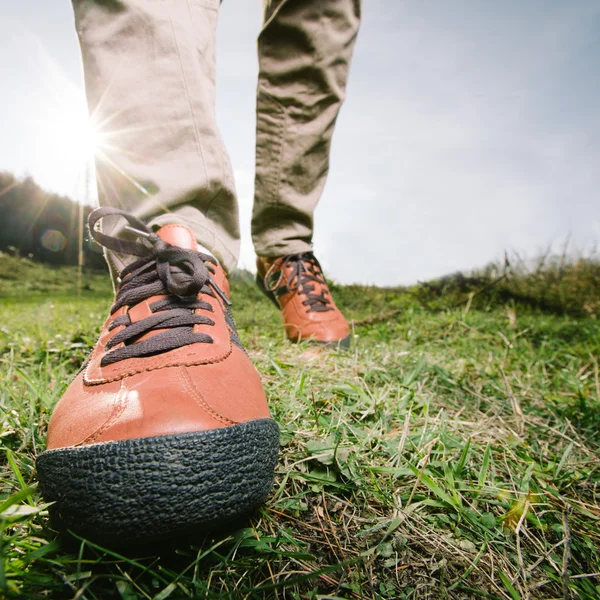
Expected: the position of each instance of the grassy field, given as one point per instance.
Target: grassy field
(452, 452)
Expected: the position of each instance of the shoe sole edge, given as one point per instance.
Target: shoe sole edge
(148, 488)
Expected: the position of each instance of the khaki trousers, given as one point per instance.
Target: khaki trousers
(149, 70)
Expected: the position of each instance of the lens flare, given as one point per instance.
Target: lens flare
(53, 240)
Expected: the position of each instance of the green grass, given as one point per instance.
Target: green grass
(452, 452)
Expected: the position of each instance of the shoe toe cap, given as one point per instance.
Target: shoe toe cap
(160, 402)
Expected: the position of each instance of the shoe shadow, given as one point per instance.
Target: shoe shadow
(162, 545)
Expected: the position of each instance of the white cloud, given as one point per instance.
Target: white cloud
(443, 157)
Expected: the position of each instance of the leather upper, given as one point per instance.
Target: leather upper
(299, 322)
(196, 387)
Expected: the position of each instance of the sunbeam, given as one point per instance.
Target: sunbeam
(56, 120)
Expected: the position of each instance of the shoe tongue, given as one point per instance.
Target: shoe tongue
(178, 235)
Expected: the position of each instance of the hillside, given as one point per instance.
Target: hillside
(452, 452)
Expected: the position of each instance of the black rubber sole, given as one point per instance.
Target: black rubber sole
(344, 343)
(144, 489)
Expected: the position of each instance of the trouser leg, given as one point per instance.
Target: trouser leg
(304, 48)
(150, 81)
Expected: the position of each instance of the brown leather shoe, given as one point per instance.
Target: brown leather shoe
(167, 426)
(297, 286)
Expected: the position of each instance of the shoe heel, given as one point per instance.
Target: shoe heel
(268, 293)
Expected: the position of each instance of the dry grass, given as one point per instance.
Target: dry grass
(453, 452)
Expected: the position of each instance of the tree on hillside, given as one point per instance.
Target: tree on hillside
(44, 225)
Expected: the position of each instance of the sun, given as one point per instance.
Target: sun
(63, 143)
(61, 139)
(91, 137)
(78, 142)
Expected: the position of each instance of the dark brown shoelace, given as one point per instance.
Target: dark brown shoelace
(162, 270)
(304, 273)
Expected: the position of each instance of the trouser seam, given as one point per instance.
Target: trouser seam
(282, 117)
(187, 91)
(281, 136)
(211, 201)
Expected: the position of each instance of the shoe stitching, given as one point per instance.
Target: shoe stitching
(185, 380)
(155, 367)
(89, 380)
(118, 407)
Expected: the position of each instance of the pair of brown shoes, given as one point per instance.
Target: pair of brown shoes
(166, 427)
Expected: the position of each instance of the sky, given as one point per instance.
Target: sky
(470, 128)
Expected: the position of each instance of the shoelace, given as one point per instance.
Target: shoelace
(305, 271)
(162, 270)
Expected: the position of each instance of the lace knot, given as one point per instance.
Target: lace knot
(182, 271)
(179, 276)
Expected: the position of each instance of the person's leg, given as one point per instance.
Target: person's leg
(150, 83)
(304, 48)
(166, 428)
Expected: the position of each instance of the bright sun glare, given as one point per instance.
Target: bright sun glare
(90, 138)
(65, 142)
